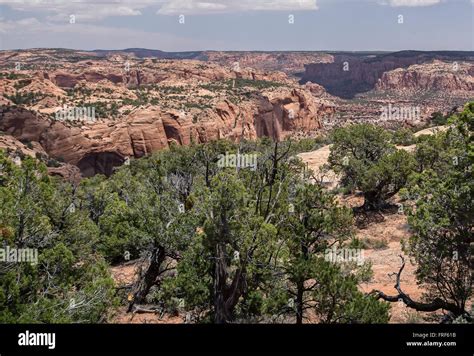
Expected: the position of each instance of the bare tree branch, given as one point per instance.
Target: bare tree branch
(435, 305)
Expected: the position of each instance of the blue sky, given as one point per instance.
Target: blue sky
(349, 25)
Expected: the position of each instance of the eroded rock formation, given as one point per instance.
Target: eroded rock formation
(99, 147)
(437, 75)
(351, 74)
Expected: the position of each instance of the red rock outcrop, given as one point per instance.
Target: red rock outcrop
(99, 147)
(287, 62)
(65, 79)
(281, 113)
(136, 75)
(351, 74)
(437, 75)
(347, 75)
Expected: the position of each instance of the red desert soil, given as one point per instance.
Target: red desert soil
(123, 275)
(386, 261)
(123, 317)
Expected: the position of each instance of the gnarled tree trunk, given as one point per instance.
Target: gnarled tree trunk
(148, 278)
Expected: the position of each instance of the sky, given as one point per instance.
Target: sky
(244, 25)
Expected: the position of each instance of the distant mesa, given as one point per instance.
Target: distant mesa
(353, 73)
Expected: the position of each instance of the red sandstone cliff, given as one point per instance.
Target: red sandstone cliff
(437, 75)
(98, 147)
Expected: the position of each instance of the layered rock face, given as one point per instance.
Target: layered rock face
(134, 75)
(347, 75)
(437, 75)
(287, 62)
(350, 75)
(366, 85)
(99, 147)
(283, 113)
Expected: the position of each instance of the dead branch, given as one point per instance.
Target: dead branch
(138, 309)
(435, 305)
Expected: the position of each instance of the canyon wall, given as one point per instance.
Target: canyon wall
(350, 75)
(98, 147)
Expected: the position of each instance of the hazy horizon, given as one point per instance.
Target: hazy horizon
(244, 25)
(362, 51)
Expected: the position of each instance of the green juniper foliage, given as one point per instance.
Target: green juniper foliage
(367, 160)
(234, 244)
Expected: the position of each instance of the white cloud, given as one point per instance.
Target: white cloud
(30, 21)
(411, 3)
(175, 7)
(90, 10)
(26, 23)
(93, 13)
(85, 10)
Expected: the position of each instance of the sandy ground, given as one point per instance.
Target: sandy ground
(431, 130)
(125, 275)
(318, 158)
(315, 161)
(122, 317)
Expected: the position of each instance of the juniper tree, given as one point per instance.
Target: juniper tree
(442, 222)
(70, 281)
(368, 162)
(314, 223)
